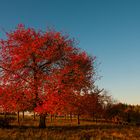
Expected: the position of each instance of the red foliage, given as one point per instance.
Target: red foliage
(42, 71)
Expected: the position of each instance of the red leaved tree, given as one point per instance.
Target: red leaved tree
(44, 69)
(93, 104)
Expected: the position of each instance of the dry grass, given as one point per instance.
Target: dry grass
(70, 134)
(61, 129)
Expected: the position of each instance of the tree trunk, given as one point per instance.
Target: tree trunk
(23, 115)
(78, 119)
(42, 122)
(51, 118)
(4, 115)
(71, 117)
(18, 117)
(34, 116)
(93, 117)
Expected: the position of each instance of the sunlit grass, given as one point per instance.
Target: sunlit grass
(72, 134)
(65, 129)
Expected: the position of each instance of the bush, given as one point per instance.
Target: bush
(4, 122)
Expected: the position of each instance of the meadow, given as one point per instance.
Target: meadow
(61, 128)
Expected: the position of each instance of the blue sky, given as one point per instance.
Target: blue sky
(108, 29)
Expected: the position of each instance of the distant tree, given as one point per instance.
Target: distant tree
(44, 68)
(93, 106)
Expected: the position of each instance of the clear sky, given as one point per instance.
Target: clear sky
(108, 29)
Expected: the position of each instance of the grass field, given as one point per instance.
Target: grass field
(61, 129)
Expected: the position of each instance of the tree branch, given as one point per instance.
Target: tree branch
(15, 74)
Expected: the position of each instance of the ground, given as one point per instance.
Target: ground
(64, 129)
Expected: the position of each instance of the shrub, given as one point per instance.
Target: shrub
(4, 122)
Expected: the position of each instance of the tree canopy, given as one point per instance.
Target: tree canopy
(41, 70)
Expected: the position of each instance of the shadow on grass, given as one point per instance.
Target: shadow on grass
(71, 128)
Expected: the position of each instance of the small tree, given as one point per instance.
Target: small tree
(93, 104)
